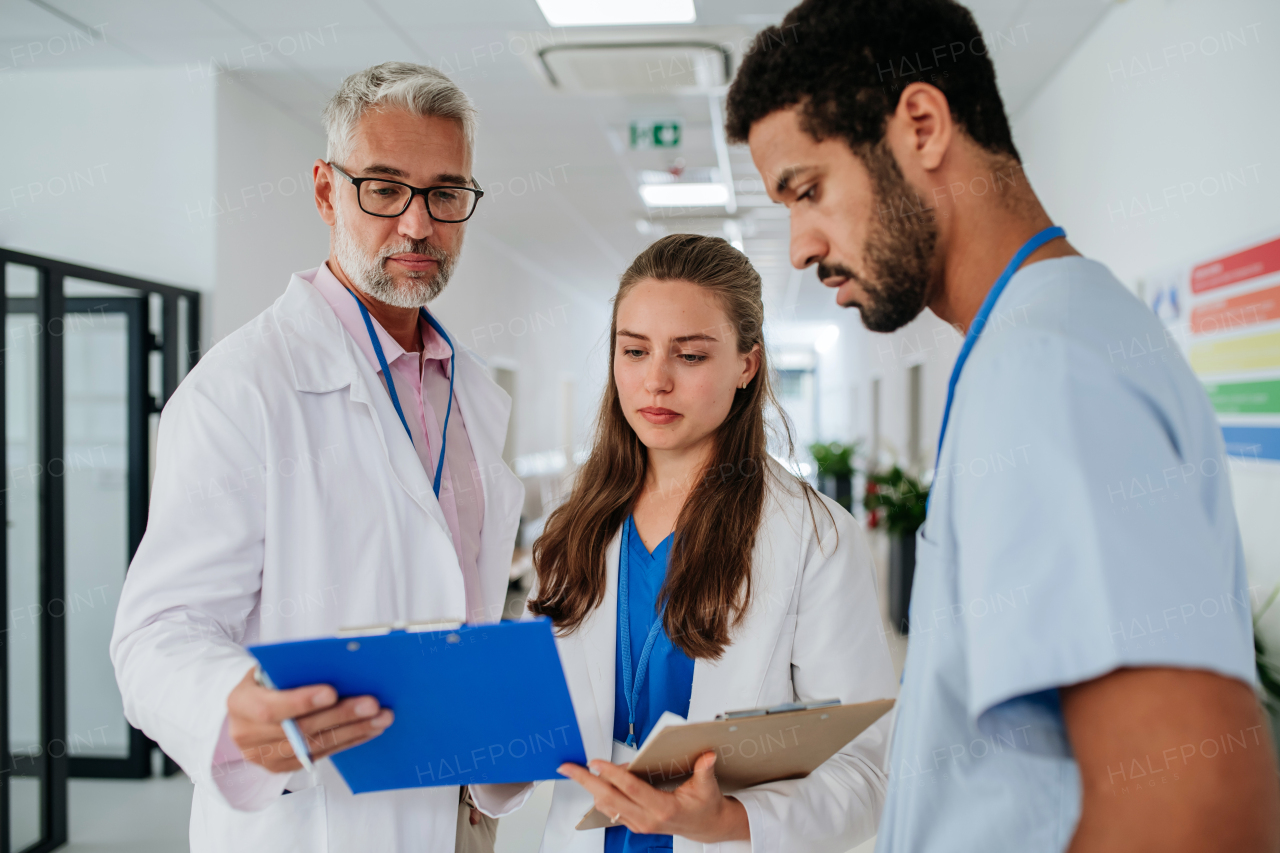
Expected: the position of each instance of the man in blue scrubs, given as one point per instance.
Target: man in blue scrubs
(1080, 673)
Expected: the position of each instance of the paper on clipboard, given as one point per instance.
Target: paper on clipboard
(749, 750)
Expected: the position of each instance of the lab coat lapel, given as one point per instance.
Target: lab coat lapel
(595, 645)
(732, 683)
(406, 467)
(324, 358)
(736, 681)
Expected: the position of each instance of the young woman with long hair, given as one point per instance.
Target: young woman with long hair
(689, 572)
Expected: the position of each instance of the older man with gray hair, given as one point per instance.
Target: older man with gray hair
(336, 462)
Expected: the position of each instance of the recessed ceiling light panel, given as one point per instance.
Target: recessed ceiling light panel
(607, 13)
(684, 195)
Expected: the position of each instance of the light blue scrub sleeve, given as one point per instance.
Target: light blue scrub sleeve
(1087, 537)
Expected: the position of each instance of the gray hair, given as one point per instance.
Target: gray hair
(420, 89)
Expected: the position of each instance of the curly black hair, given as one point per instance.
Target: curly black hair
(846, 63)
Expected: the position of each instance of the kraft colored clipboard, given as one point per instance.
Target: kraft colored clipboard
(749, 750)
(474, 704)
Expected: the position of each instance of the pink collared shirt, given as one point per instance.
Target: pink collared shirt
(422, 384)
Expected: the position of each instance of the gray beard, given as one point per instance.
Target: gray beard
(370, 275)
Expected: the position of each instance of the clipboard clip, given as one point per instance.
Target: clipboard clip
(408, 627)
(784, 708)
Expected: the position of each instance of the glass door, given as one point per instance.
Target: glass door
(26, 759)
(105, 409)
(90, 356)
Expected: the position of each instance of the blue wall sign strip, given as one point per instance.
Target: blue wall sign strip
(1252, 442)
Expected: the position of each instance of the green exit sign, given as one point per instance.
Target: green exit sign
(655, 134)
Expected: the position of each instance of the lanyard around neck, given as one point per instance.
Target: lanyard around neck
(391, 385)
(631, 684)
(980, 321)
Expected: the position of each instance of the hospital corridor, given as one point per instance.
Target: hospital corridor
(602, 426)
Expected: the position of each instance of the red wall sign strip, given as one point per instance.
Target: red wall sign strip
(1251, 263)
(1261, 306)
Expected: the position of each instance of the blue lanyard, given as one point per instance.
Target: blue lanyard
(391, 385)
(980, 321)
(631, 689)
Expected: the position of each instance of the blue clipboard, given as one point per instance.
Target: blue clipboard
(481, 704)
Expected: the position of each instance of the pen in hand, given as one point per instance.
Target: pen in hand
(291, 730)
(259, 719)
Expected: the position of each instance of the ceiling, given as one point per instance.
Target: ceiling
(585, 219)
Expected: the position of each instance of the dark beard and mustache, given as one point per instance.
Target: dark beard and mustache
(370, 274)
(899, 253)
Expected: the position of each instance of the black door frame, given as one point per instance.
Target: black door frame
(50, 305)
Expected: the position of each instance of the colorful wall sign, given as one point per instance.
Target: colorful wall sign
(1255, 352)
(1227, 313)
(1245, 398)
(1252, 442)
(1221, 315)
(1252, 262)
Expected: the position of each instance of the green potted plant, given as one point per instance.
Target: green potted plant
(896, 501)
(1268, 677)
(836, 470)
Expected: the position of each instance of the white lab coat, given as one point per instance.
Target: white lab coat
(813, 632)
(289, 502)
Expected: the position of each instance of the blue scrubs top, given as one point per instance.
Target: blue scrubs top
(669, 681)
(1080, 521)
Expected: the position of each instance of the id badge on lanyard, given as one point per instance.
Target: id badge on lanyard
(623, 754)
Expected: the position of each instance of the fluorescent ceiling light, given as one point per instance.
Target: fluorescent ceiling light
(826, 338)
(603, 13)
(684, 195)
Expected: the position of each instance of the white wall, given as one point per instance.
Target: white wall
(926, 341)
(1167, 94)
(160, 173)
(261, 211)
(101, 179)
(843, 369)
(517, 315)
(1158, 96)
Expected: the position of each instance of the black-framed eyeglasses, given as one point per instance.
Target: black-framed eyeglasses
(389, 199)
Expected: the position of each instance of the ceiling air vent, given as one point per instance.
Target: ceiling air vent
(633, 68)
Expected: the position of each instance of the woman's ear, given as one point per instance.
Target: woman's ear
(750, 365)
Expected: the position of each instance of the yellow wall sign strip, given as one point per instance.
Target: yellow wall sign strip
(1256, 352)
